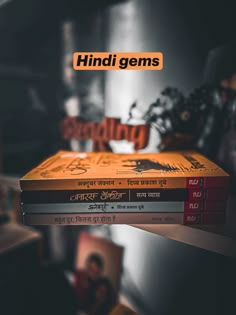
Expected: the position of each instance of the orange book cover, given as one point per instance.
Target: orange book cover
(88, 170)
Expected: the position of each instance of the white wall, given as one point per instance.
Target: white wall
(149, 25)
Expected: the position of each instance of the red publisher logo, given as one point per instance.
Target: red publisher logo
(192, 218)
(192, 206)
(196, 194)
(194, 182)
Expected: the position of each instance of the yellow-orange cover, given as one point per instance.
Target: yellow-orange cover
(88, 170)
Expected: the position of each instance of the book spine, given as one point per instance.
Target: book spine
(138, 207)
(125, 183)
(122, 218)
(208, 194)
(213, 218)
(103, 207)
(123, 195)
(105, 195)
(102, 218)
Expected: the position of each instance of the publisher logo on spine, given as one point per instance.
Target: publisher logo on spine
(118, 61)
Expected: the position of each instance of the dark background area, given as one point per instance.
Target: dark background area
(28, 26)
(170, 278)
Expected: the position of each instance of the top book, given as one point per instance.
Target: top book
(89, 170)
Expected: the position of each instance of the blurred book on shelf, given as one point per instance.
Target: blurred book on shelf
(98, 271)
(10, 197)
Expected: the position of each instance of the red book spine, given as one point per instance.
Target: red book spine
(190, 206)
(194, 182)
(212, 205)
(192, 218)
(207, 205)
(208, 194)
(207, 182)
(204, 218)
(212, 182)
(213, 218)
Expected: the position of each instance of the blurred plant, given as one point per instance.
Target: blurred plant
(193, 122)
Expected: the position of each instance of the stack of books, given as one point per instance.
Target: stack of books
(180, 187)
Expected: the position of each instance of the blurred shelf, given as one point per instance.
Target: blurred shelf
(15, 235)
(220, 239)
(197, 237)
(10, 182)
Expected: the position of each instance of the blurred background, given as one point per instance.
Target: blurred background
(190, 104)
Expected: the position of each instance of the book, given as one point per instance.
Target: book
(111, 254)
(123, 195)
(124, 218)
(138, 207)
(98, 170)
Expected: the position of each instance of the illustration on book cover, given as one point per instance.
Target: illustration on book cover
(99, 165)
